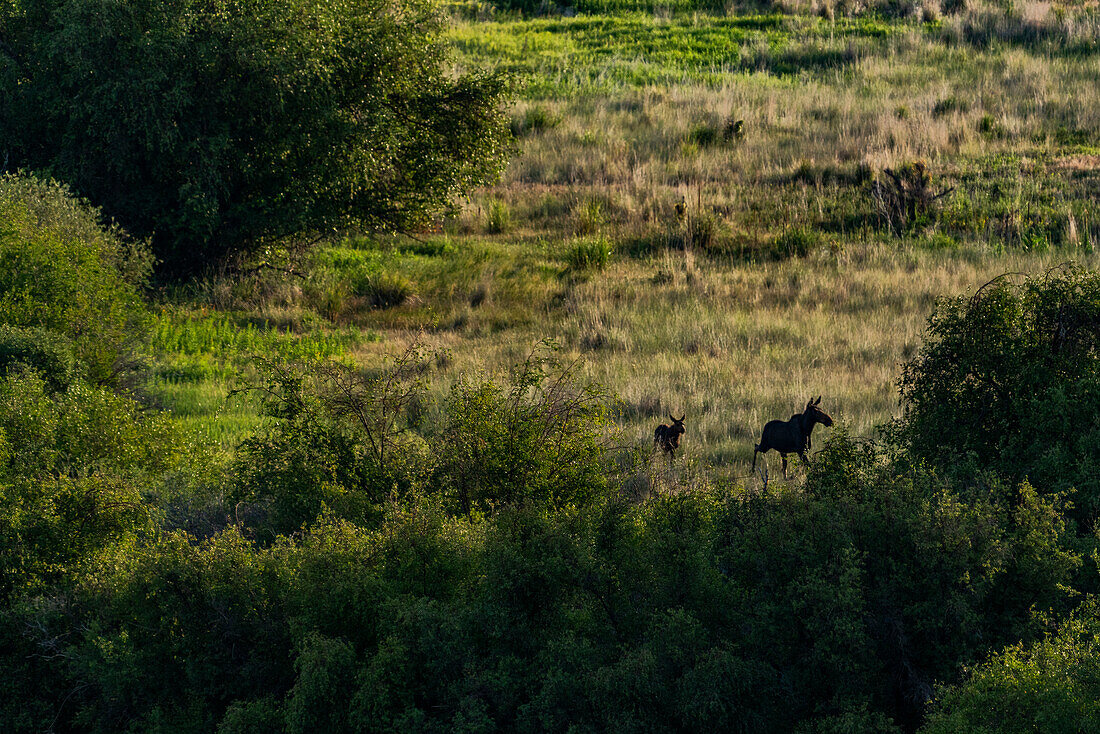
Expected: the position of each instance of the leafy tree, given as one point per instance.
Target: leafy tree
(1008, 380)
(213, 125)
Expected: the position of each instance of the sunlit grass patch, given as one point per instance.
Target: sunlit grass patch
(234, 337)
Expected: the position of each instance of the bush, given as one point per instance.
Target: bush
(536, 440)
(61, 271)
(72, 466)
(1056, 682)
(1008, 380)
(336, 442)
(212, 125)
(47, 353)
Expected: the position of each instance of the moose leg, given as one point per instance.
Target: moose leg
(784, 465)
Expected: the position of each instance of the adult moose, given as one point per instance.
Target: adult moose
(667, 438)
(793, 436)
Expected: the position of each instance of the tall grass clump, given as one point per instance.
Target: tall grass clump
(589, 253)
(233, 339)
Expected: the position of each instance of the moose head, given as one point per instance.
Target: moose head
(814, 414)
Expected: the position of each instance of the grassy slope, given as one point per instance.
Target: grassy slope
(624, 116)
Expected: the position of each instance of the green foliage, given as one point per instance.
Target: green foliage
(829, 610)
(72, 466)
(1008, 380)
(1053, 685)
(337, 441)
(536, 440)
(61, 271)
(213, 124)
(46, 352)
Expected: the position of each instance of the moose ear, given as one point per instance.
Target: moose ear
(681, 420)
(818, 402)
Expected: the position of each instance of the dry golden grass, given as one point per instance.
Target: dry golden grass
(735, 336)
(732, 345)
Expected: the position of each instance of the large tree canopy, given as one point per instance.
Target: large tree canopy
(214, 124)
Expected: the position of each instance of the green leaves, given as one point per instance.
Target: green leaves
(1010, 379)
(213, 125)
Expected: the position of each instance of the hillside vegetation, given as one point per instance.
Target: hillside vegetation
(353, 481)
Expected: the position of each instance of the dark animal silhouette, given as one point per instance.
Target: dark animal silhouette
(793, 436)
(667, 438)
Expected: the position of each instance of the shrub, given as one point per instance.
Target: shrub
(536, 440)
(61, 271)
(212, 125)
(72, 466)
(46, 352)
(1009, 380)
(1056, 682)
(336, 441)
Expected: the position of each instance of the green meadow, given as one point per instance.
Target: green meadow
(690, 213)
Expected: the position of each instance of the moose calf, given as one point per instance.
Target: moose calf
(667, 438)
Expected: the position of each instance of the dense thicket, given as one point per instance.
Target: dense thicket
(1053, 686)
(211, 125)
(371, 563)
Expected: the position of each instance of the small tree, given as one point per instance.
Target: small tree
(338, 440)
(542, 438)
(1008, 380)
(213, 125)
